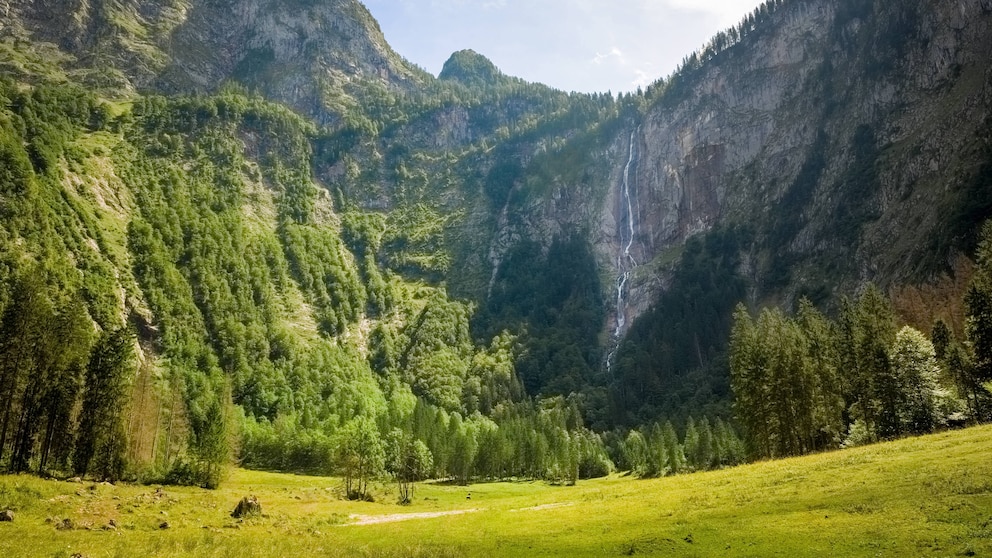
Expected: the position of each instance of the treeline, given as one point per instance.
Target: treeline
(654, 449)
(752, 24)
(806, 383)
(541, 439)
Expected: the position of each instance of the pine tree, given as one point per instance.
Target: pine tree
(748, 380)
(72, 335)
(672, 450)
(22, 331)
(691, 444)
(867, 331)
(704, 453)
(941, 338)
(635, 453)
(100, 435)
(655, 443)
(825, 407)
(732, 448)
(213, 442)
(978, 316)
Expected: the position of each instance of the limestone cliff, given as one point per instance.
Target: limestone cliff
(847, 140)
(313, 56)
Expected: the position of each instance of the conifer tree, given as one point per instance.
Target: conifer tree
(978, 315)
(655, 443)
(22, 331)
(100, 436)
(704, 452)
(731, 448)
(749, 382)
(867, 331)
(691, 444)
(941, 338)
(672, 451)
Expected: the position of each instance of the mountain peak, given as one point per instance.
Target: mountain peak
(470, 68)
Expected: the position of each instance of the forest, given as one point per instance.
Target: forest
(807, 383)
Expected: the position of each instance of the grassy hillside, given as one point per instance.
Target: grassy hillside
(930, 495)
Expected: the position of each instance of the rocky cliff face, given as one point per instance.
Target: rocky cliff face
(851, 125)
(302, 54)
(313, 56)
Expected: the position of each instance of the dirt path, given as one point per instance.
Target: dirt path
(358, 519)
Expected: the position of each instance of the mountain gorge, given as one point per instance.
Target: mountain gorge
(305, 230)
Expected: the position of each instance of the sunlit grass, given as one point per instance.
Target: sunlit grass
(921, 496)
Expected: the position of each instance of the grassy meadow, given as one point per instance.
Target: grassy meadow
(927, 496)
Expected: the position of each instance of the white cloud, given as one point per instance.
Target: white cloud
(614, 53)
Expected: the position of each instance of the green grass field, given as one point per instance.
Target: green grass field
(928, 496)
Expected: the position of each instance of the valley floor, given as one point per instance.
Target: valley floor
(922, 496)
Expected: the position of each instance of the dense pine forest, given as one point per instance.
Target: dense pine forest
(418, 278)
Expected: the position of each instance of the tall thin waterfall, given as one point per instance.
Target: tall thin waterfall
(625, 260)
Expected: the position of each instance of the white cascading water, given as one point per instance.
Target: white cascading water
(625, 260)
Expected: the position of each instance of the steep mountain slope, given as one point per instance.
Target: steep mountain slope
(841, 142)
(841, 124)
(312, 56)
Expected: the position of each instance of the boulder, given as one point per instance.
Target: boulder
(247, 507)
(7, 515)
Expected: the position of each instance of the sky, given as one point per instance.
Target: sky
(574, 45)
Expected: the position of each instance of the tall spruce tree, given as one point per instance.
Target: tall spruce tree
(100, 440)
(978, 324)
(867, 331)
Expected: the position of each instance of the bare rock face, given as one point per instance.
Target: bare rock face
(845, 118)
(247, 507)
(780, 123)
(302, 55)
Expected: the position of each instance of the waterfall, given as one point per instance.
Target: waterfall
(495, 256)
(625, 260)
